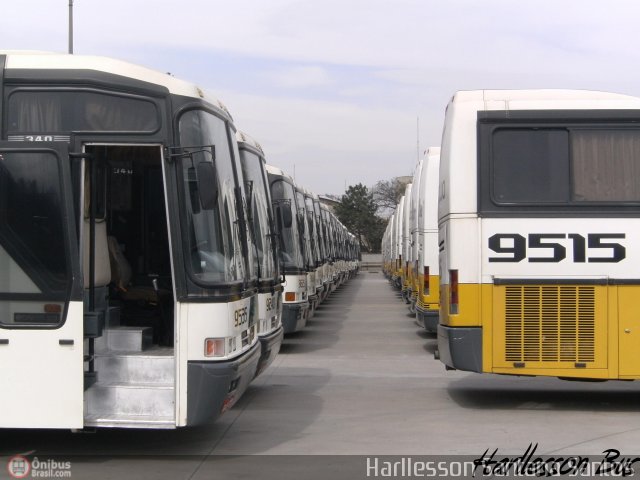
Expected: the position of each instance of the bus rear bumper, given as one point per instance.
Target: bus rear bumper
(294, 316)
(269, 348)
(460, 347)
(214, 387)
(428, 318)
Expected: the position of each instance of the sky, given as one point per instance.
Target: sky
(340, 92)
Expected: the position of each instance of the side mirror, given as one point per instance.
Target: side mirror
(287, 217)
(207, 185)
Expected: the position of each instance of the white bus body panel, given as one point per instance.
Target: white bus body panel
(415, 207)
(406, 226)
(531, 265)
(198, 321)
(48, 375)
(269, 311)
(428, 213)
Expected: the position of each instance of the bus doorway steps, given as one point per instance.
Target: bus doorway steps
(135, 381)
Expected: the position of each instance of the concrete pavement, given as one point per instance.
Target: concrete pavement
(359, 380)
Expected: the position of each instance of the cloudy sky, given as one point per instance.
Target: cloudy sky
(336, 89)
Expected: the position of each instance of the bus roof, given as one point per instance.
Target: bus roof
(245, 139)
(277, 171)
(552, 99)
(56, 61)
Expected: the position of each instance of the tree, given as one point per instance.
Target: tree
(387, 194)
(357, 211)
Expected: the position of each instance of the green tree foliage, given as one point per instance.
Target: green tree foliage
(357, 211)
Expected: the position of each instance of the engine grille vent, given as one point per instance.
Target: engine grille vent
(550, 323)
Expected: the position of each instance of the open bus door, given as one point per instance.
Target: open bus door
(41, 309)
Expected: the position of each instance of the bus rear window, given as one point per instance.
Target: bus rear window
(606, 165)
(530, 166)
(559, 168)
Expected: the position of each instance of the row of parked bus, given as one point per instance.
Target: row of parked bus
(518, 240)
(150, 259)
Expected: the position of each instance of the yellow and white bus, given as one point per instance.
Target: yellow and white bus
(539, 235)
(428, 295)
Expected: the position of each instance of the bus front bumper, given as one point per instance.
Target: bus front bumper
(214, 387)
(460, 347)
(294, 316)
(269, 348)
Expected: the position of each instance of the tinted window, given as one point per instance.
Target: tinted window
(34, 260)
(530, 166)
(606, 165)
(57, 111)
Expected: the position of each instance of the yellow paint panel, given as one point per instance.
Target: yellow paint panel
(540, 328)
(629, 330)
(468, 308)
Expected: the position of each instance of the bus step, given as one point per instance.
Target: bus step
(130, 421)
(150, 366)
(125, 339)
(154, 400)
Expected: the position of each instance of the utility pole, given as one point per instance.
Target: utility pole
(70, 26)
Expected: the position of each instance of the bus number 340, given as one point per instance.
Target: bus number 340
(517, 247)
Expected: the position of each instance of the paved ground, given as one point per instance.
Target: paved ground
(359, 380)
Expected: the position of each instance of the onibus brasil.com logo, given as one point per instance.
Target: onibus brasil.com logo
(20, 466)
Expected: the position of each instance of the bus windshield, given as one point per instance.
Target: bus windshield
(321, 232)
(214, 242)
(313, 229)
(306, 231)
(282, 193)
(254, 180)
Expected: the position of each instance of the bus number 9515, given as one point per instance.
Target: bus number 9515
(516, 247)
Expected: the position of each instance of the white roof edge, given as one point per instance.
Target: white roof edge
(61, 61)
(243, 137)
(539, 94)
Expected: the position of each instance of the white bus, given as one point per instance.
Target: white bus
(406, 243)
(309, 247)
(127, 279)
(428, 298)
(398, 219)
(295, 310)
(269, 326)
(539, 234)
(414, 233)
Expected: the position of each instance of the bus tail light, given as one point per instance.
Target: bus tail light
(453, 291)
(426, 281)
(290, 296)
(214, 347)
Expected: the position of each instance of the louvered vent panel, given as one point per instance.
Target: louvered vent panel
(549, 323)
